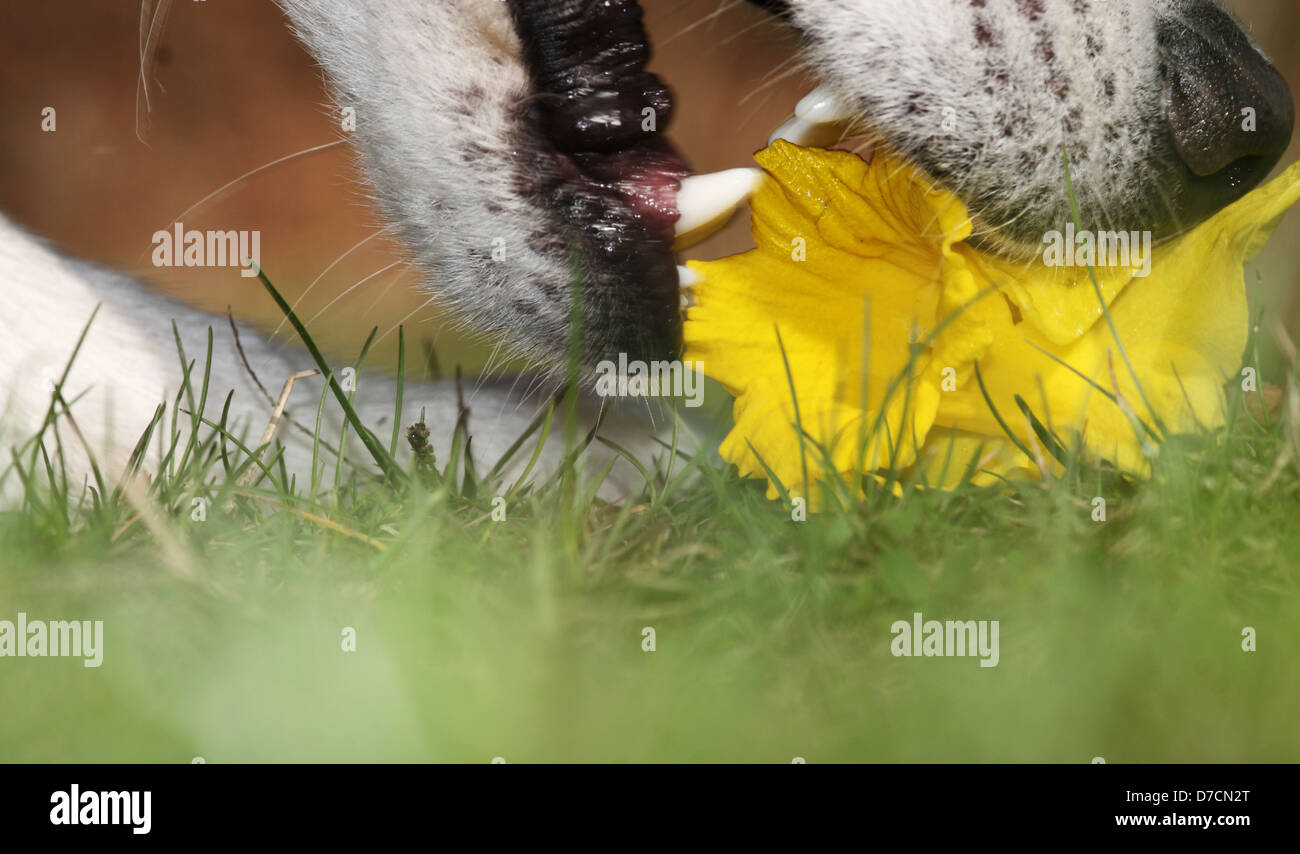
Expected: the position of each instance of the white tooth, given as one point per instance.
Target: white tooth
(796, 131)
(823, 105)
(819, 120)
(685, 278)
(814, 134)
(707, 200)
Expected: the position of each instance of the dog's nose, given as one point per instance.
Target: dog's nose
(1228, 109)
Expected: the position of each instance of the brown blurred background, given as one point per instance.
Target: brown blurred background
(231, 91)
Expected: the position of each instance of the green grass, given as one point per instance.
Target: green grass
(523, 638)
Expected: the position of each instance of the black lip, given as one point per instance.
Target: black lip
(606, 174)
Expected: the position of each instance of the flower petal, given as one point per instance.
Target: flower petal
(863, 284)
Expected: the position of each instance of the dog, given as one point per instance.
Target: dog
(518, 149)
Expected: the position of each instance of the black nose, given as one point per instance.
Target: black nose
(1228, 109)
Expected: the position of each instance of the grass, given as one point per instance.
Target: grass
(523, 638)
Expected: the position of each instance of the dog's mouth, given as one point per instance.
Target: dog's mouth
(626, 200)
(601, 113)
(625, 197)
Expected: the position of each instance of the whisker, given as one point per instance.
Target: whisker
(743, 30)
(783, 71)
(331, 266)
(722, 9)
(485, 374)
(181, 216)
(353, 288)
(156, 22)
(379, 297)
(412, 313)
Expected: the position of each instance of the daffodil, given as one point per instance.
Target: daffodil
(864, 318)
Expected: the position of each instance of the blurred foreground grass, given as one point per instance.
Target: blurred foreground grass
(523, 638)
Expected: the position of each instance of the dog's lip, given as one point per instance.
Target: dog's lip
(676, 205)
(597, 157)
(643, 179)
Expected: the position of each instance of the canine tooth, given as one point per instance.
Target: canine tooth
(796, 131)
(814, 134)
(822, 105)
(685, 278)
(819, 120)
(706, 202)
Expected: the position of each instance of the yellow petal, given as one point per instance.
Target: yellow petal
(884, 311)
(845, 253)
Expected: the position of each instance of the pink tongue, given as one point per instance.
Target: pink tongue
(652, 190)
(647, 177)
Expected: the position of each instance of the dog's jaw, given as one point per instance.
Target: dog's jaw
(437, 90)
(513, 214)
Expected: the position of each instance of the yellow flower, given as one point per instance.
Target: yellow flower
(862, 282)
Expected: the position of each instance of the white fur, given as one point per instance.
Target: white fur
(129, 364)
(908, 64)
(435, 87)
